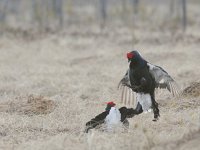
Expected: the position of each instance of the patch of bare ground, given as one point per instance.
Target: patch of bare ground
(30, 105)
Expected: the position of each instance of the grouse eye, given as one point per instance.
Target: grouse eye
(130, 55)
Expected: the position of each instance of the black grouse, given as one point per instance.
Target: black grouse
(111, 116)
(143, 78)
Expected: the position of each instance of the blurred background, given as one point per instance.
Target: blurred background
(52, 15)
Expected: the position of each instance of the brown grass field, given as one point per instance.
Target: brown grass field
(51, 85)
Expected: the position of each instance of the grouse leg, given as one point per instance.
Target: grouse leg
(138, 109)
(155, 108)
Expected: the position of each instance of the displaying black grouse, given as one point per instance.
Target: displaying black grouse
(111, 116)
(143, 78)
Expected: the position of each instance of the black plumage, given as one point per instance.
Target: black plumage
(143, 78)
(100, 119)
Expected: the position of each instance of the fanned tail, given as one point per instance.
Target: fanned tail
(128, 97)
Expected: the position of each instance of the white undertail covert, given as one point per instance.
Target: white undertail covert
(145, 101)
(113, 119)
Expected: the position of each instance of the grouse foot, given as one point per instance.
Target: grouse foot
(156, 117)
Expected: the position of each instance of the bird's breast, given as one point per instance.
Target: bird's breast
(135, 76)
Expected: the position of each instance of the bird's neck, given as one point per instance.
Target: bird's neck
(133, 65)
(137, 64)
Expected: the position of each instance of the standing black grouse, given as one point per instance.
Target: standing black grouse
(143, 78)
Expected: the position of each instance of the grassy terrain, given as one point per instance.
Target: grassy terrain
(51, 85)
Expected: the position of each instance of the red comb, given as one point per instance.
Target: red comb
(111, 103)
(130, 55)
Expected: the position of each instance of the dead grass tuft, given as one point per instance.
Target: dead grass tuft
(30, 105)
(192, 90)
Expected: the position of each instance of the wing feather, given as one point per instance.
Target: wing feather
(163, 79)
(128, 97)
(122, 95)
(129, 102)
(125, 102)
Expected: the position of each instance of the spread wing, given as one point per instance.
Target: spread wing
(163, 79)
(128, 97)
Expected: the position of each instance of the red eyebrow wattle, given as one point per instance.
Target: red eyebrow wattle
(130, 55)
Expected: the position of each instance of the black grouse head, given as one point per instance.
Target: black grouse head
(135, 58)
(109, 105)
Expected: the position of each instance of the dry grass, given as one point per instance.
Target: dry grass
(192, 90)
(28, 105)
(76, 72)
